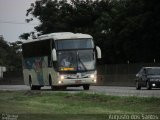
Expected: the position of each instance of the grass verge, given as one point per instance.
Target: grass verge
(40, 105)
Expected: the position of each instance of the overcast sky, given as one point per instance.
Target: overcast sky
(12, 19)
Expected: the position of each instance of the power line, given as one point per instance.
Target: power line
(14, 22)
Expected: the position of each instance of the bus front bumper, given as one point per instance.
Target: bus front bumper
(76, 81)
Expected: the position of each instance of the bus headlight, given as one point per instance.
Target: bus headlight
(95, 80)
(92, 76)
(62, 77)
(59, 82)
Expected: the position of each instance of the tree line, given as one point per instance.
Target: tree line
(125, 30)
(10, 55)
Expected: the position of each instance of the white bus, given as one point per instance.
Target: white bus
(60, 60)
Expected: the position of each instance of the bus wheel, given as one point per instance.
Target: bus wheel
(31, 85)
(53, 87)
(50, 83)
(86, 87)
(63, 88)
(38, 87)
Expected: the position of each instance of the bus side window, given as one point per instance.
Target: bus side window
(50, 64)
(53, 44)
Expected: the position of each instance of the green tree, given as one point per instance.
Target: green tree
(92, 17)
(10, 54)
(4, 47)
(136, 30)
(124, 29)
(15, 53)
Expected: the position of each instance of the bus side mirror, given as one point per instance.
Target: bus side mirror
(99, 56)
(54, 54)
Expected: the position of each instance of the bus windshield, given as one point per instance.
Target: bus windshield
(74, 44)
(80, 60)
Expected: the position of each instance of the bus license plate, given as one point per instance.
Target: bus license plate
(78, 81)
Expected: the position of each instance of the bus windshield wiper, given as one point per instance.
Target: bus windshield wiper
(85, 69)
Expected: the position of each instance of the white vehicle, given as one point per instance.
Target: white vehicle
(60, 60)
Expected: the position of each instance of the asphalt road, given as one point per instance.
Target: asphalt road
(108, 90)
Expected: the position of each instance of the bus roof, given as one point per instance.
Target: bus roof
(60, 36)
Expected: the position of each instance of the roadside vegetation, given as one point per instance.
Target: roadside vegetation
(41, 105)
(123, 29)
(10, 54)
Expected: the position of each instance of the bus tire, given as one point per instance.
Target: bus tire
(30, 84)
(50, 82)
(54, 87)
(33, 87)
(63, 88)
(86, 87)
(38, 88)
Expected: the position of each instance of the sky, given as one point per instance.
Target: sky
(12, 19)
